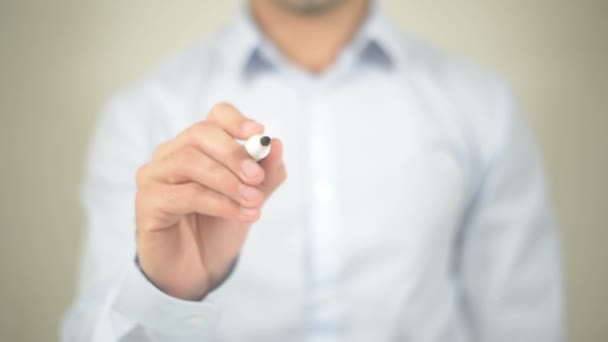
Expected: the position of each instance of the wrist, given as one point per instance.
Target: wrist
(181, 289)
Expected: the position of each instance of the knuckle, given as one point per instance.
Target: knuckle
(189, 156)
(141, 175)
(219, 108)
(182, 160)
(145, 200)
(196, 130)
(160, 150)
(140, 197)
(167, 200)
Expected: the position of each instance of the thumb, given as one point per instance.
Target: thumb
(274, 167)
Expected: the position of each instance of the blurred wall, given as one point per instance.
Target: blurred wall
(60, 59)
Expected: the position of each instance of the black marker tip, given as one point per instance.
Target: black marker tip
(265, 140)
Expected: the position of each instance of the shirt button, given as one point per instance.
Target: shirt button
(195, 320)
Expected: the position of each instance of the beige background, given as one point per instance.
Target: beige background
(60, 59)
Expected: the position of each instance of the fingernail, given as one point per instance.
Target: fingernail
(249, 193)
(248, 212)
(251, 169)
(251, 127)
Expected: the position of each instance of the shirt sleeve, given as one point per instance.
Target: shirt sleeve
(115, 300)
(510, 262)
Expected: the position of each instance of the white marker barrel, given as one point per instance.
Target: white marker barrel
(258, 146)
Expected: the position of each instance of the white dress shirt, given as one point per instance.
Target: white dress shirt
(415, 207)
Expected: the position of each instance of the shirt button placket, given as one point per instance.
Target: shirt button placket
(325, 229)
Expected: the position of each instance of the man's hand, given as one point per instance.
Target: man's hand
(197, 199)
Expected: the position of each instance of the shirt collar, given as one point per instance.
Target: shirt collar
(375, 41)
(250, 52)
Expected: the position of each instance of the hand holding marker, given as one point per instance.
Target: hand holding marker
(197, 198)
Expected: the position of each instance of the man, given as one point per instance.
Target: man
(415, 208)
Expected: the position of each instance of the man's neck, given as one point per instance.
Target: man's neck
(314, 41)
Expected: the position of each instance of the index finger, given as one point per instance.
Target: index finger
(230, 119)
(223, 115)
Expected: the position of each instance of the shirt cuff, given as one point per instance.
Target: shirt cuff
(144, 304)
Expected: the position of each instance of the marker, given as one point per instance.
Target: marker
(258, 146)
